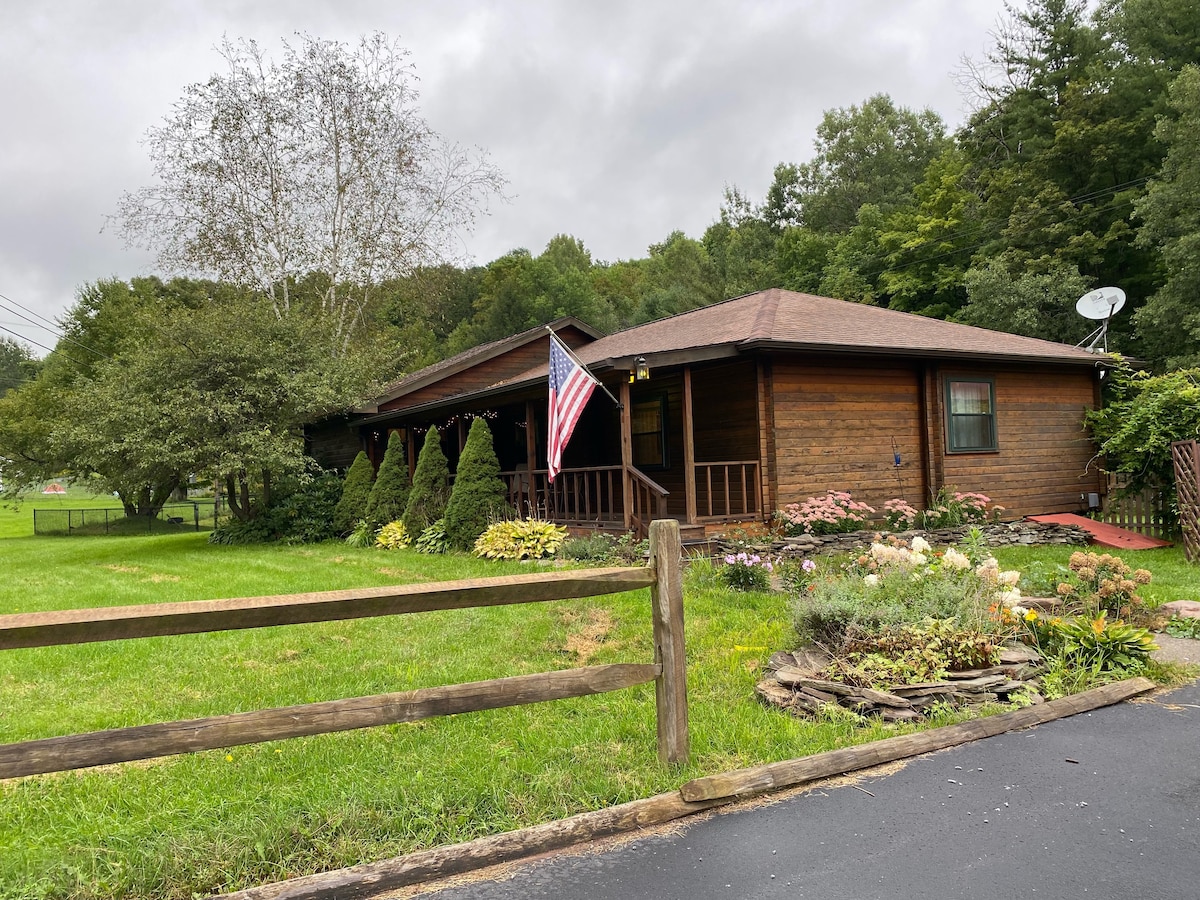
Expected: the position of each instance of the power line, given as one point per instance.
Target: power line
(52, 327)
(43, 346)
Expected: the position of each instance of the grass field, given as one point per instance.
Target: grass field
(222, 820)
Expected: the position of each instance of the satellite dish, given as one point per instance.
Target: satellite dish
(1101, 303)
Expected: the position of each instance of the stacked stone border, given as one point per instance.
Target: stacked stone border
(1000, 534)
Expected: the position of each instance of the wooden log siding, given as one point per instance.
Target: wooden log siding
(834, 427)
(668, 670)
(1043, 462)
(516, 361)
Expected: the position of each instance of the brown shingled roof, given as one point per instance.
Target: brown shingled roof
(788, 320)
(460, 361)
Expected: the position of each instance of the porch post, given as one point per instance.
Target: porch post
(931, 432)
(530, 437)
(626, 456)
(689, 448)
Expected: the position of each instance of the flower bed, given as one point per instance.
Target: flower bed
(902, 627)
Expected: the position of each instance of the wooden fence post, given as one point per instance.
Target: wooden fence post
(666, 596)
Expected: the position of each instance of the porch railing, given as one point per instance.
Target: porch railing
(587, 496)
(649, 502)
(576, 496)
(728, 488)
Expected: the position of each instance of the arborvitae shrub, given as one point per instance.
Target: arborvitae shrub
(430, 487)
(478, 493)
(389, 495)
(356, 490)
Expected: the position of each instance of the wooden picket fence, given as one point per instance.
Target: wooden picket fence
(663, 577)
(1186, 457)
(1143, 512)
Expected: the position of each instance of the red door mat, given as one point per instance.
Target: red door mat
(1104, 534)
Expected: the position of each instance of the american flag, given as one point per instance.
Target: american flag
(570, 388)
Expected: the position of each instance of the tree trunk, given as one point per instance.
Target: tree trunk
(231, 495)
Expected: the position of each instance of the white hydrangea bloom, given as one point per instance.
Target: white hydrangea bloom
(871, 580)
(1009, 578)
(1010, 597)
(955, 559)
(920, 545)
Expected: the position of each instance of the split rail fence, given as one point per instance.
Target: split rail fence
(663, 577)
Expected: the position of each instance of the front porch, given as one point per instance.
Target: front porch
(652, 457)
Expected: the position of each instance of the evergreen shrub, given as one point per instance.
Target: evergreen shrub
(356, 490)
(389, 494)
(430, 487)
(478, 493)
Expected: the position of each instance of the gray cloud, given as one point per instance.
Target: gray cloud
(616, 122)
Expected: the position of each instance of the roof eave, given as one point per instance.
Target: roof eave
(918, 353)
(516, 340)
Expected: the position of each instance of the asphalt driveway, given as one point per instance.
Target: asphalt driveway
(1100, 805)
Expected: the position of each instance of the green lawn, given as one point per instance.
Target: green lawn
(229, 819)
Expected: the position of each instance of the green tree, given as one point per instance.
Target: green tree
(1041, 306)
(356, 492)
(479, 493)
(1061, 146)
(1141, 416)
(1170, 320)
(929, 244)
(430, 487)
(154, 384)
(17, 364)
(874, 153)
(389, 494)
(678, 275)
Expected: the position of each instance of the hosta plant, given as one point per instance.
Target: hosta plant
(393, 536)
(362, 535)
(1093, 641)
(520, 539)
(433, 539)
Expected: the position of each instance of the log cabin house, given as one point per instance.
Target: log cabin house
(759, 401)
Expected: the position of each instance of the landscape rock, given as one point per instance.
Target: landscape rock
(999, 534)
(1184, 609)
(796, 689)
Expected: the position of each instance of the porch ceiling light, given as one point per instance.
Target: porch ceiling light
(641, 370)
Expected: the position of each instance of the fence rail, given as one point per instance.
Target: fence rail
(667, 670)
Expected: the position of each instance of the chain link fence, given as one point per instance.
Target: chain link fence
(172, 518)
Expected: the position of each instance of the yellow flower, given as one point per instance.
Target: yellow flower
(1031, 615)
(228, 757)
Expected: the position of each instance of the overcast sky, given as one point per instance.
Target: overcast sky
(616, 122)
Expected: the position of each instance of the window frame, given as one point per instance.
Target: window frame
(953, 445)
(661, 431)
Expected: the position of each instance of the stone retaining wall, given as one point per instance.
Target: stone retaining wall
(1001, 534)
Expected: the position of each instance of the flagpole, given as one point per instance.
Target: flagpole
(579, 363)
